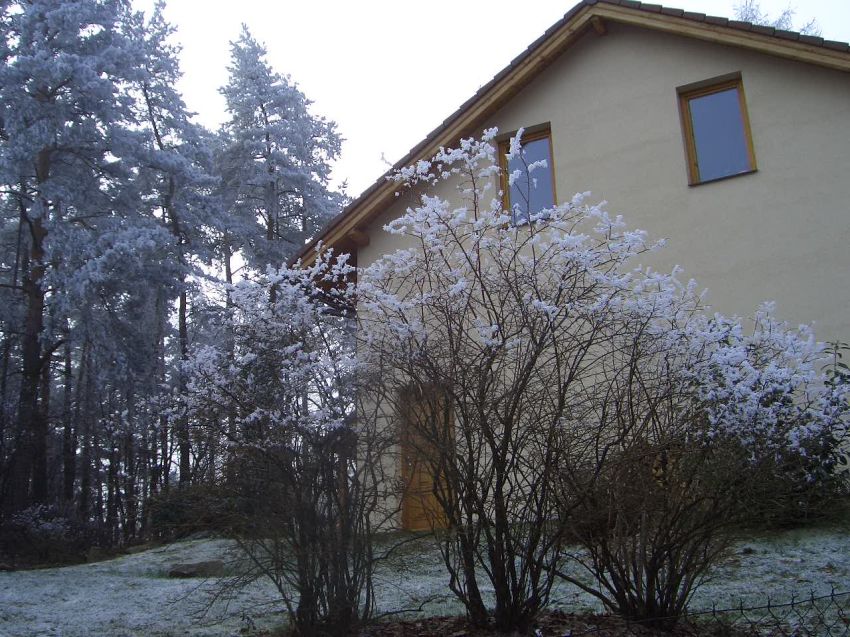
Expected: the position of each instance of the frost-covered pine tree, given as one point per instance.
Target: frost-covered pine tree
(107, 215)
(66, 123)
(175, 181)
(278, 158)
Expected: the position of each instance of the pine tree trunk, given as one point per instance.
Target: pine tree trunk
(4, 385)
(39, 486)
(112, 492)
(270, 195)
(229, 460)
(69, 433)
(146, 488)
(165, 452)
(84, 419)
(131, 464)
(8, 332)
(28, 452)
(159, 435)
(183, 421)
(182, 424)
(29, 425)
(96, 473)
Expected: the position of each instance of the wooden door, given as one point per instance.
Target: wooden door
(424, 426)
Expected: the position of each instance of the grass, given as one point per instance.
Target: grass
(132, 595)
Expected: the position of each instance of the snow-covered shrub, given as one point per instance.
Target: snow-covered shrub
(807, 480)
(560, 373)
(298, 487)
(767, 386)
(699, 425)
(506, 327)
(838, 377)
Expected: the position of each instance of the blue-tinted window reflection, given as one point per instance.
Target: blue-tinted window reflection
(719, 136)
(532, 191)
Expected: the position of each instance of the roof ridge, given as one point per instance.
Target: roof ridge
(741, 25)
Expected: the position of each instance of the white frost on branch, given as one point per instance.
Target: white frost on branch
(474, 286)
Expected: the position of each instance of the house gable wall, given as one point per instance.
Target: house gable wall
(779, 234)
(782, 233)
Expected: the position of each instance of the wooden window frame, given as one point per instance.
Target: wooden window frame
(530, 134)
(701, 89)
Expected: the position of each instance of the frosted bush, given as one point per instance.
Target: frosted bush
(535, 346)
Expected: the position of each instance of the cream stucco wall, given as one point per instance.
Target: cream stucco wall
(782, 233)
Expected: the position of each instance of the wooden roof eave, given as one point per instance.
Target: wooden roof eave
(721, 33)
(381, 194)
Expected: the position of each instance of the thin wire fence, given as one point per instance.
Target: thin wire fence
(805, 616)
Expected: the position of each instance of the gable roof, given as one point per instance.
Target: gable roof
(345, 232)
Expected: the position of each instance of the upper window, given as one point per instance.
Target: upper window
(717, 130)
(528, 178)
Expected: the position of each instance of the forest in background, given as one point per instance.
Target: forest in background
(122, 224)
(123, 227)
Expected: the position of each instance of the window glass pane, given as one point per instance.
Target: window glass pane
(532, 191)
(719, 137)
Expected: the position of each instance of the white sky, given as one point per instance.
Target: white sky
(389, 71)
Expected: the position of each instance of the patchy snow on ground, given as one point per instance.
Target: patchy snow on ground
(132, 596)
(774, 566)
(781, 565)
(766, 567)
(129, 595)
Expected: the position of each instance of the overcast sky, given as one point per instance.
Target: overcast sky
(389, 71)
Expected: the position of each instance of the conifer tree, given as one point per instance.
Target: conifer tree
(277, 161)
(65, 125)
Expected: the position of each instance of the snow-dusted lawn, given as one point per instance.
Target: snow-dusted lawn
(130, 595)
(778, 565)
